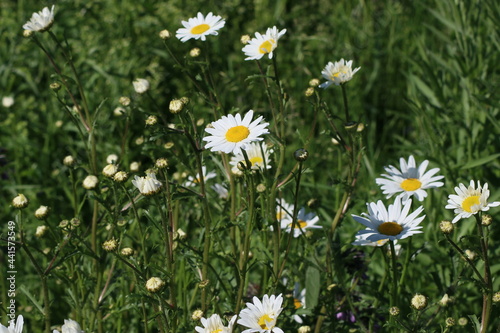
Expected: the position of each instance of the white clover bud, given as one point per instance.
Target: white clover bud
(42, 212)
(20, 201)
(154, 284)
(90, 182)
(141, 85)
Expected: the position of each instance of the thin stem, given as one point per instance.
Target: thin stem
(346, 106)
(488, 293)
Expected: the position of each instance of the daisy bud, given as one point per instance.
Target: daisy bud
(463, 321)
(301, 155)
(394, 311)
(55, 86)
(165, 34)
(90, 182)
(41, 230)
(151, 121)
(124, 100)
(28, 33)
(42, 212)
(470, 254)
(110, 245)
(75, 222)
(261, 188)
(139, 141)
(161, 163)
(185, 100)
(20, 201)
(245, 39)
(486, 219)
(181, 234)
(154, 284)
(446, 227)
(445, 300)
(360, 128)
(59, 123)
(168, 145)
(140, 85)
(195, 52)
(63, 224)
(112, 159)
(127, 252)
(69, 161)
(496, 297)
(419, 302)
(304, 329)
(200, 122)
(175, 106)
(134, 166)
(121, 223)
(197, 314)
(309, 92)
(450, 322)
(314, 82)
(120, 176)
(119, 111)
(110, 170)
(203, 284)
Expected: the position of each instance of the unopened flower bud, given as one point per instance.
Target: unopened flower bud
(112, 159)
(195, 52)
(175, 106)
(314, 82)
(110, 170)
(419, 301)
(69, 161)
(154, 284)
(304, 329)
(120, 176)
(124, 100)
(119, 111)
(127, 252)
(486, 219)
(139, 141)
(197, 314)
(28, 33)
(165, 34)
(301, 154)
(184, 100)
(42, 212)
(496, 297)
(450, 322)
(470, 254)
(203, 284)
(181, 234)
(161, 163)
(446, 227)
(168, 145)
(245, 39)
(20, 201)
(41, 230)
(261, 188)
(361, 127)
(75, 222)
(463, 321)
(445, 300)
(134, 166)
(63, 224)
(140, 85)
(151, 120)
(90, 182)
(394, 311)
(110, 245)
(55, 86)
(309, 92)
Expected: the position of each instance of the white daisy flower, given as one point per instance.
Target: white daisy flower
(304, 221)
(410, 180)
(261, 316)
(299, 301)
(141, 85)
(193, 181)
(284, 212)
(70, 326)
(263, 44)
(231, 133)
(214, 324)
(392, 223)
(148, 185)
(337, 73)
(41, 21)
(200, 27)
(470, 200)
(259, 157)
(13, 328)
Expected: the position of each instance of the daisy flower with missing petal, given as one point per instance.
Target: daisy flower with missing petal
(261, 45)
(258, 156)
(41, 21)
(231, 133)
(337, 73)
(214, 325)
(200, 27)
(260, 316)
(390, 223)
(304, 221)
(409, 180)
(13, 328)
(148, 185)
(470, 200)
(193, 181)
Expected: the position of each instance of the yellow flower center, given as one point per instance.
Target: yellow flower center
(297, 304)
(262, 322)
(237, 133)
(469, 202)
(411, 184)
(255, 160)
(199, 29)
(216, 331)
(266, 47)
(390, 228)
(299, 225)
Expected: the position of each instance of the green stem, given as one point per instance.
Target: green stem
(346, 106)
(394, 294)
(488, 293)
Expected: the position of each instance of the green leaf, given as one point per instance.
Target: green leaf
(475, 323)
(312, 287)
(32, 299)
(480, 161)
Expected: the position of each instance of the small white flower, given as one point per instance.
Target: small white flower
(231, 133)
(194, 181)
(200, 27)
(390, 223)
(70, 326)
(141, 85)
(304, 221)
(214, 324)
(261, 316)
(258, 156)
(409, 180)
(41, 21)
(257, 47)
(148, 185)
(13, 328)
(7, 101)
(470, 200)
(221, 191)
(338, 73)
